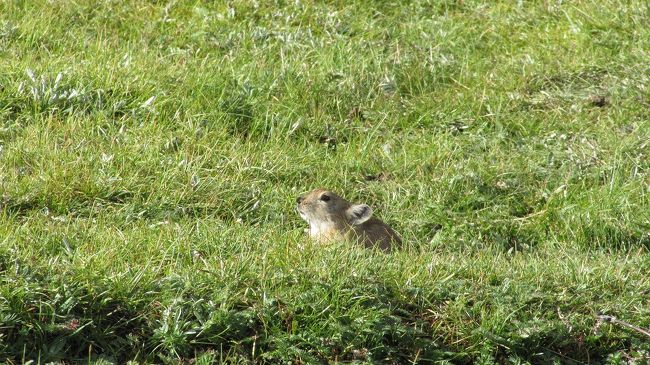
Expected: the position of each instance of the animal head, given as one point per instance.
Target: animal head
(324, 206)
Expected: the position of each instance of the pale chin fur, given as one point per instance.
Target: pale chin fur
(302, 215)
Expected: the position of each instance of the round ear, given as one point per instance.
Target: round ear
(357, 214)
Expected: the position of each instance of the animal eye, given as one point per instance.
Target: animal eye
(325, 197)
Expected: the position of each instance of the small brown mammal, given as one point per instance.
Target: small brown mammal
(331, 217)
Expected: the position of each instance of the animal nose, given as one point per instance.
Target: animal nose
(299, 199)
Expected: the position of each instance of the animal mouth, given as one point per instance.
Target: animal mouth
(302, 214)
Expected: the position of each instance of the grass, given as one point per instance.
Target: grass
(151, 153)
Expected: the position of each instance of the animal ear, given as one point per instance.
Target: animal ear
(357, 214)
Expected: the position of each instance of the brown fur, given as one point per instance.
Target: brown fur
(331, 217)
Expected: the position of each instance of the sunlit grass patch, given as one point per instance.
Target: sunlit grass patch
(151, 154)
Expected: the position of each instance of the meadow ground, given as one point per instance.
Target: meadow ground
(151, 153)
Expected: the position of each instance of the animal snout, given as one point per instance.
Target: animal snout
(299, 199)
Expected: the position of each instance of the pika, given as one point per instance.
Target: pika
(331, 217)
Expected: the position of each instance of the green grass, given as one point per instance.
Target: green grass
(151, 153)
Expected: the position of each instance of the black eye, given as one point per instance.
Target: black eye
(325, 198)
